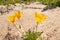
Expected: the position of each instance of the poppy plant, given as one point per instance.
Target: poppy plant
(11, 18)
(39, 17)
(17, 14)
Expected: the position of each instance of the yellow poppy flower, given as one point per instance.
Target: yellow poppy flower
(17, 14)
(11, 18)
(39, 17)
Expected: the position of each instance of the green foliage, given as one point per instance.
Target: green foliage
(50, 2)
(4, 2)
(17, 1)
(28, 1)
(31, 35)
(58, 3)
(45, 2)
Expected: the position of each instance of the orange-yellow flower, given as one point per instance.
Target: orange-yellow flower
(11, 18)
(39, 17)
(17, 14)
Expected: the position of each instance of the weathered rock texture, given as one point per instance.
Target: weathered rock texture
(50, 27)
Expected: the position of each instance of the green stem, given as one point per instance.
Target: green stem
(36, 26)
(20, 23)
(17, 29)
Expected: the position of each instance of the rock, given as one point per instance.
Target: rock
(3, 9)
(48, 7)
(17, 4)
(10, 7)
(35, 3)
(6, 8)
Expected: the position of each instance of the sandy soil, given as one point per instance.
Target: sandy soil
(50, 27)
